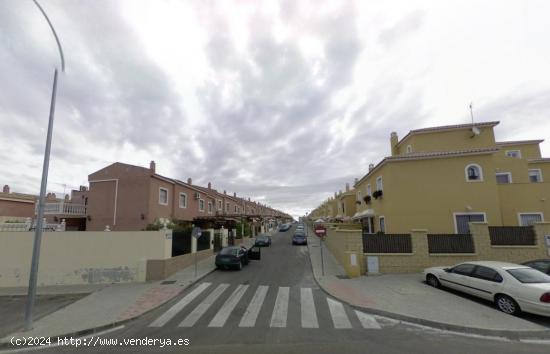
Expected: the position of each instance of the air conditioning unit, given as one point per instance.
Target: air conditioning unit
(197, 195)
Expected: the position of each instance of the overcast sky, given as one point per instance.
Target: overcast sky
(283, 102)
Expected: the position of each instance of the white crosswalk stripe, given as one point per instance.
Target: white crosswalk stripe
(251, 314)
(223, 314)
(173, 311)
(367, 321)
(338, 313)
(194, 316)
(309, 316)
(280, 311)
(279, 314)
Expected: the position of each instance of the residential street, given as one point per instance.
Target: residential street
(267, 308)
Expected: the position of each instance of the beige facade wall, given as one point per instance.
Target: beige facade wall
(81, 257)
(448, 140)
(421, 259)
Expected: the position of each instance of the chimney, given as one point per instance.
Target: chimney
(371, 166)
(234, 194)
(393, 142)
(66, 198)
(224, 191)
(347, 187)
(335, 194)
(355, 181)
(6, 189)
(189, 181)
(209, 185)
(248, 198)
(152, 166)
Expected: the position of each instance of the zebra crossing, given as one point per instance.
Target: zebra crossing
(233, 301)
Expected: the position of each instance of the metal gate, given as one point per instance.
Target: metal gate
(181, 243)
(203, 242)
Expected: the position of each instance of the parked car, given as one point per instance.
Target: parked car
(512, 287)
(299, 238)
(236, 257)
(284, 227)
(542, 265)
(262, 241)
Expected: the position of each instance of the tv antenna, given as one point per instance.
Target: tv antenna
(475, 130)
(472, 112)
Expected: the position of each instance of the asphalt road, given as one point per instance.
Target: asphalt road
(268, 308)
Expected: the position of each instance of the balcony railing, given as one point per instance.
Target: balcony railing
(63, 208)
(30, 225)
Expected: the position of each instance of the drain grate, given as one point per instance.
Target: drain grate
(167, 282)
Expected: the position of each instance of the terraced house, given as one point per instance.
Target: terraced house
(441, 178)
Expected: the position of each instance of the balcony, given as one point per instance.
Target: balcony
(62, 208)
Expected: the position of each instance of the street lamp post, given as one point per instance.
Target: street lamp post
(43, 185)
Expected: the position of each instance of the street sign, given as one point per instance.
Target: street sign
(197, 232)
(320, 230)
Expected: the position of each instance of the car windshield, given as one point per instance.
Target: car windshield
(262, 238)
(229, 251)
(529, 275)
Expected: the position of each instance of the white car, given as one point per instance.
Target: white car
(512, 287)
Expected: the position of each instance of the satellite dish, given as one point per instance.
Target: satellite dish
(475, 130)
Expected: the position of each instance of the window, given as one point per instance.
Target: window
(209, 207)
(369, 190)
(227, 207)
(235, 208)
(163, 196)
(379, 185)
(462, 220)
(514, 153)
(504, 177)
(409, 149)
(463, 269)
(529, 275)
(201, 205)
(535, 175)
(183, 200)
(473, 173)
(220, 205)
(528, 219)
(359, 196)
(486, 273)
(382, 221)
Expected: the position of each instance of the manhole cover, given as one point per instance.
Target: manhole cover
(342, 277)
(167, 282)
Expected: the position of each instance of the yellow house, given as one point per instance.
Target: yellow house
(441, 178)
(347, 204)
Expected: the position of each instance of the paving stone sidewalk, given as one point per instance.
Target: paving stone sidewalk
(407, 297)
(114, 303)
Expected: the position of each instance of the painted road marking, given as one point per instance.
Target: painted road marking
(194, 316)
(367, 321)
(278, 319)
(251, 314)
(309, 316)
(228, 307)
(338, 313)
(172, 311)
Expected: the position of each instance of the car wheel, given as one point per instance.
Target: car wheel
(240, 266)
(507, 305)
(433, 281)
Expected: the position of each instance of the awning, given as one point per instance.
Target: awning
(364, 214)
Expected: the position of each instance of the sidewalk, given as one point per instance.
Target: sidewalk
(406, 297)
(114, 304)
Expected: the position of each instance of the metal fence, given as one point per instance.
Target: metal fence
(450, 243)
(512, 235)
(387, 243)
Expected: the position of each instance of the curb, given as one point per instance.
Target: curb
(508, 334)
(88, 331)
